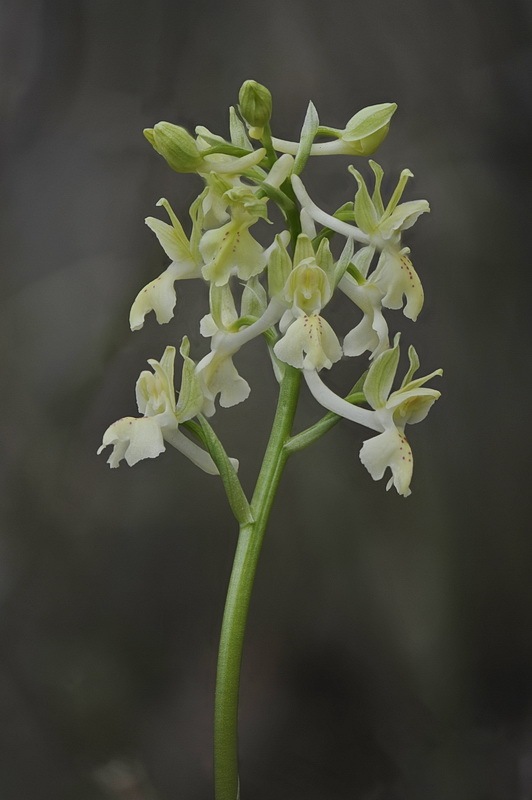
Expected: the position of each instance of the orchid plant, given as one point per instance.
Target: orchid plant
(280, 293)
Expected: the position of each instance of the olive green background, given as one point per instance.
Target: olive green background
(389, 654)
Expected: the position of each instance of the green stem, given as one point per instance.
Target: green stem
(239, 592)
(316, 431)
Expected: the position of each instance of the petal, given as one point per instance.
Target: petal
(155, 392)
(372, 332)
(230, 250)
(404, 216)
(389, 449)
(325, 348)
(308, 288)
(364, 337)
(291, 347)
(380, 377)
(133, 439)
(233, 388)
(159, 296)
(396, 277)
(311, 335)
(218, 375)
(412, 407)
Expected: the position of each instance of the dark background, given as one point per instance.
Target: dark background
(389, 652)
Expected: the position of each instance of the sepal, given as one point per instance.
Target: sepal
(308, 134)
(279, 268)
(303, 249)
(190, 398)
(254, 299)
(237, 131)
(366, 215)
(172, 238)
(380, 377)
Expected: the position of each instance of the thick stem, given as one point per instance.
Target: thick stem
(239, 593)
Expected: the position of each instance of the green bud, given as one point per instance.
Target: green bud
(175, 145)
(255, 103)
(368, 128)
(368, 121)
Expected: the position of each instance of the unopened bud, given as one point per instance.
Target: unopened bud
(175, 145)
(368, 128)
(255, 103)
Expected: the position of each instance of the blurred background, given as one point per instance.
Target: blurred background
(389, 652)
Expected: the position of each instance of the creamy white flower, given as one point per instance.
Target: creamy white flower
(380, 227)
(394, 274)
(391, 412)
(309, 343)
(231, 250)
(134, 439)
(159, 295)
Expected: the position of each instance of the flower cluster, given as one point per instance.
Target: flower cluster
(280, 291)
